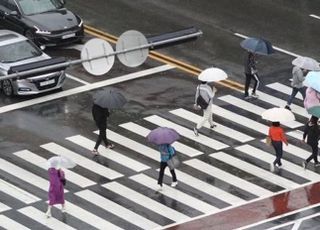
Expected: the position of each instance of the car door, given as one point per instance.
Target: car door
(8, 19)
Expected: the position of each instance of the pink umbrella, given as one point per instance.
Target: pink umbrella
(312, 102)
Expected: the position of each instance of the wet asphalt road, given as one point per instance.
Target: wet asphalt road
(285, 23)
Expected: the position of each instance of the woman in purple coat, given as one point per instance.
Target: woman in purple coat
(56, 189)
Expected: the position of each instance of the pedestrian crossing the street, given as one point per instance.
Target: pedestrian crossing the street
(222, 168)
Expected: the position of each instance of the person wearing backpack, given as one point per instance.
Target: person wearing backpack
(203, 98)
(166, 152)
(312, 133)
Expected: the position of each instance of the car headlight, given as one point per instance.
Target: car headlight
(80, 23)
(39, 31)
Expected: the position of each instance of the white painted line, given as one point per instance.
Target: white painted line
(41, 218)
(4, 207)
(77, 79)
(85, 88)
(133, 145)
(42, 163)
(175, 194)
(282, 103)
(207, 188)
(145, 201)
(227, 177)
(8, 223)
(109, 154)
(89, 217)
(82, 161)
(284, 89)
(117, 210)
(182, 148)
(202, 139)
(254, 170)
(314, 16)
(286, 165)
(253, 109)
(298, 135)
(17, 192)
(24, 175)
(224, 130)
(244, 121)
(274, 47)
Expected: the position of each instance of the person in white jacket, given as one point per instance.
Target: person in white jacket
(297, 84)
(207, 94)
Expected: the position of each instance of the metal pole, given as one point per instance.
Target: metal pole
(79, 61)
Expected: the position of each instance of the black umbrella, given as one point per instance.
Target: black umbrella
(109, 98)
(257, 45)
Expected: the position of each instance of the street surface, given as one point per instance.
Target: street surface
(224, 181)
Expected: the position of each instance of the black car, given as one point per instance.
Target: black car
(45, 22)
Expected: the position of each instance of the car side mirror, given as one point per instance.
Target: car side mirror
(14, 13)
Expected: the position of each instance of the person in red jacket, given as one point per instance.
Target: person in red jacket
(277, 136)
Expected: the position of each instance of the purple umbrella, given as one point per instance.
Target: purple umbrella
(163, 135)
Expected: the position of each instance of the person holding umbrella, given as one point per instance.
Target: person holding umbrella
(103, 101)
(164, 137)
(312, 133)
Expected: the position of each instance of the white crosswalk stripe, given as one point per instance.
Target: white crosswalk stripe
(284, 89)
(4, 207)
(8, 223)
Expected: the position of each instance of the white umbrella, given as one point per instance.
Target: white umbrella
(60, 162)
(212, 74)
(278, 115)
(306, 63)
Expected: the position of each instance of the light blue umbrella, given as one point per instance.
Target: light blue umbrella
(257, 45)
(312, 80)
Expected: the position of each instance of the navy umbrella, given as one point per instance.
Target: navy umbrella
(109, 98)
(257, 45)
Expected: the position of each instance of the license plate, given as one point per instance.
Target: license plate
(68, 36)
(49, 82)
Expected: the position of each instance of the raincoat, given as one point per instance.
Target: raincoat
(56, 193)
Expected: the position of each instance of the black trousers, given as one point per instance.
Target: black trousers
(314, 154)
(256, 80)
(277, 145)
(163, 166)
(102, 136)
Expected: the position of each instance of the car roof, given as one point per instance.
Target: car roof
(9, 37)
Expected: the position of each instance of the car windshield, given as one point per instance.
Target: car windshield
(30, 7)
(18, 51)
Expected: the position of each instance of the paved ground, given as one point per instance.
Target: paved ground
(225, 171)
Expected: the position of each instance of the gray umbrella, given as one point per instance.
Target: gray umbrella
(109, 98)
(257, 45)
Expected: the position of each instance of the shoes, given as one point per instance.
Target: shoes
(272, 167)
(63, 210)
(48, 214)
(254, 95)
(280, 166)
(160, 187)
(95, 152)
(195, 131)
(316, 164)
(247, 97)
(213, 126)
(304, 164)
(287, 107)
(110, 146)
(174, 184)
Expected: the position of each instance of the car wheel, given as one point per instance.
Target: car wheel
(30, 36)
(7, 88)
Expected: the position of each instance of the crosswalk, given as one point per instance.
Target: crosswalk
(223, 167)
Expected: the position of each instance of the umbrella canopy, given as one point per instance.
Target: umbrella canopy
(163, 135)
(278, 115)
(109, 98)
(60, 162)
(212, 74)
(313, 80)
(312, 102)
(257, 45)
(306, 63)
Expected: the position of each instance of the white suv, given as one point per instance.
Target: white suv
(18, 54)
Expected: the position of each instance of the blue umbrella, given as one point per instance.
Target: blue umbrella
(257, 45)
(312, 80)
(163, 135)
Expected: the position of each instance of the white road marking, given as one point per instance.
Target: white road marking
(85, 88)
(8, 223)
(283, 89)
(4, 207)
(314, 16)
(117, 210)
(77, 79)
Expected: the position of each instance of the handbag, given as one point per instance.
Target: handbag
(173, 162)
(268, 140)
(62, 178)
(201, 101)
